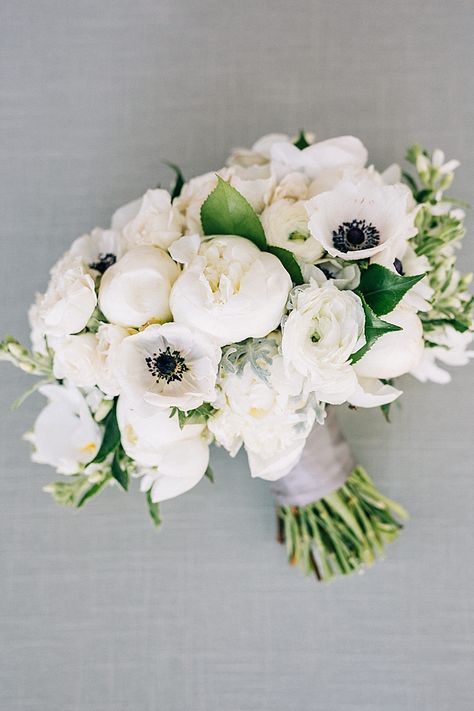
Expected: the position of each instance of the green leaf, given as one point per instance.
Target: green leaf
(301, 141)
(179, 181)
(111, 437)
(383, 289)
(227, 212)
(199, 415)
(288, 260)
(374, 329)
(119, 474)
(431, 324)
(411, 182)
(92, 491)
(209, 474)
(153, 510)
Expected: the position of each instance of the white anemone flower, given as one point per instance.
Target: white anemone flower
(359, 219)
(167, 366)
(100, 249)
(171, 459)
(65, 435)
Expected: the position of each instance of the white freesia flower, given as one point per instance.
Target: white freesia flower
(76, 359)
(153, 220)
(397, 352)
(190, 201)
(371, 392)
(332, 154)
(70, 298)
(451, 349)
(359, 219)
(136, 289)
(270, 417)
(65, 435)
(109, 338)
(100, 249)
(229, 289)
(165, 366)
(321, 332)
(286, 225)
(172, 460)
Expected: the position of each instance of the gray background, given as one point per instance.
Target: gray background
(97, 611)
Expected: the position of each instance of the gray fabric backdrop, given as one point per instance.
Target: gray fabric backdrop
(97, 611)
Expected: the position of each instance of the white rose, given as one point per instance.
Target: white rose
(153, 220)
(286, 225)
(269, 416)
(76, 358)
(397, 352)
(109, 338)
(172, 460)
(167, 366)
(229, 289)
(65, 435)
(70, 299)
(136, 289)
(321, 332)
(359, 219)
(191, 199)
(99, 250)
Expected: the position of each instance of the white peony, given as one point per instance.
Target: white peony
(70, 298)
(321, 332)
(109, 338)
(359, 219)
(397, 352)
(80, 436)
(152, 220)
(100, 249)
(172, 460)
(269, 416)
(136, 289)
(286, 225)
(450, 347)
(76, 359)
(165, 366)
(229, 289)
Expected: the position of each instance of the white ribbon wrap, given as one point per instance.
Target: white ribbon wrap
(326, 463)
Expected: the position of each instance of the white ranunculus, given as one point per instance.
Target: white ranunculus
(100, 249)
(167, 366)
(332, 154)
(152, 220)
(395, 353)
(269, 416)
(65, 435)
(229, 289)
(70, 298)
(286, 225)
(451, 349)
(293, 186)
(172, 460)
(259, 154)
(323, 329)
(255, 183)
(371, 392)
(359, 219)
(190, 201)
(136, 289)
(76, 359)
(109, 338)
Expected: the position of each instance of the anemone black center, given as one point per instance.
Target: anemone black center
(167, 365)
(103, 262)
(355, 235)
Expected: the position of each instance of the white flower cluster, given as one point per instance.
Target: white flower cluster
(195, 325)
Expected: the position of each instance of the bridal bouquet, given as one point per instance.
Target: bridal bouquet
(236, 309)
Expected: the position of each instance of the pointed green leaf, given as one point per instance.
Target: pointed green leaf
(179, 181)
(301, 141)
(111, 437)
(227, 212)
(209, 474)
(119, 474)
(288, 260)
(92, 491)
(153, 510)
(383, 289)
(374, 329)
